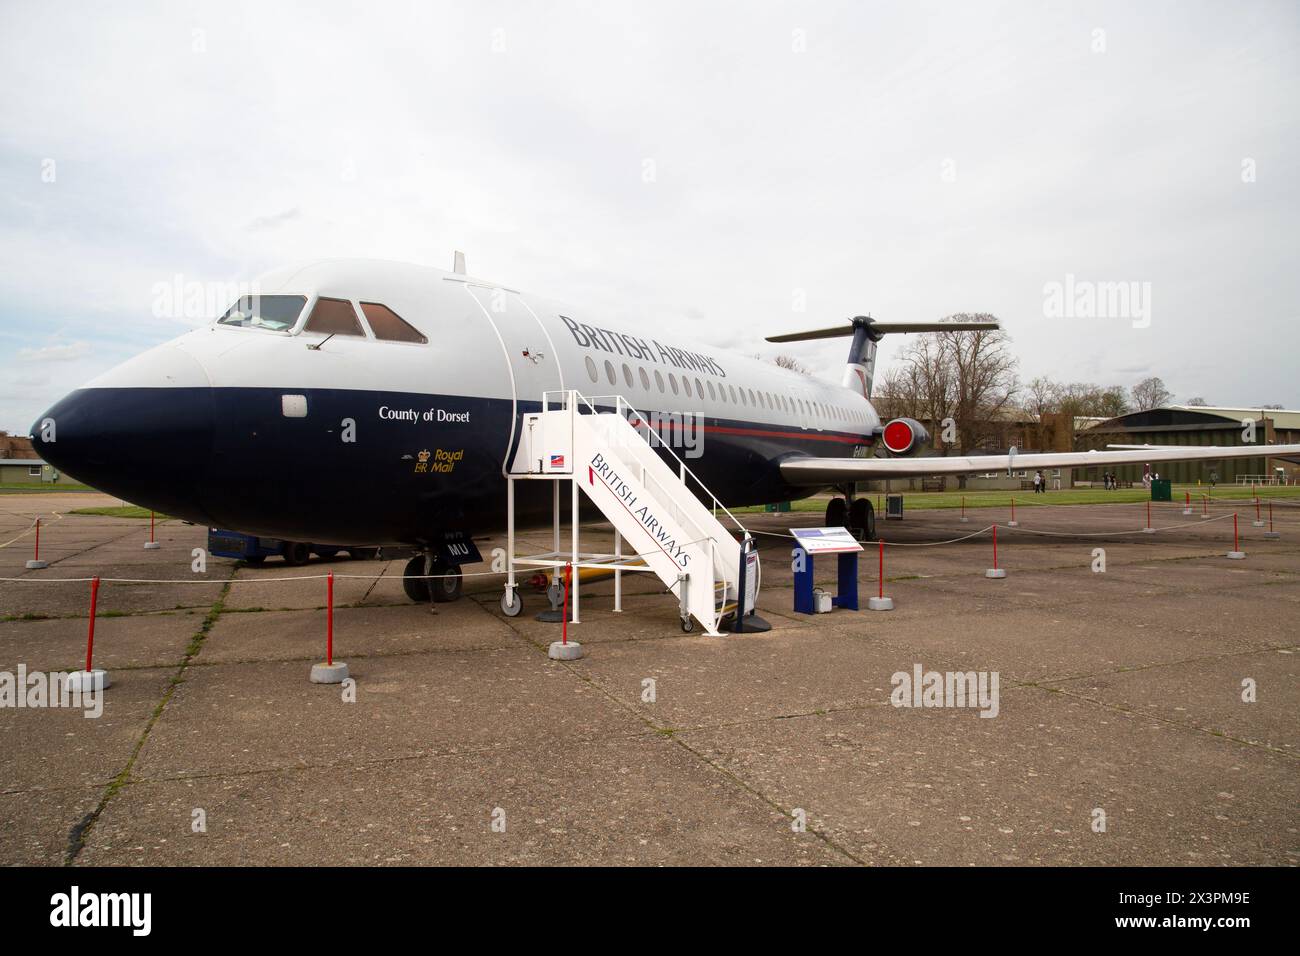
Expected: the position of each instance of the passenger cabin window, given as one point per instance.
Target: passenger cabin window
(388, 326)
(278, 313)
(333, 317)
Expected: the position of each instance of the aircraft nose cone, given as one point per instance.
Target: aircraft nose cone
(143, 434)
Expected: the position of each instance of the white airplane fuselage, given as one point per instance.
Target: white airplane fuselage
(352, 439)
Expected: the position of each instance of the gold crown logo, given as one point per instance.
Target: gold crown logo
(423, 456)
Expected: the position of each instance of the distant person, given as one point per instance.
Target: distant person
(1039, 485)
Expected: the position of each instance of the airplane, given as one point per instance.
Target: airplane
(366, 403)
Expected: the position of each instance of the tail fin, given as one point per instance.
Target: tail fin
(866, 331)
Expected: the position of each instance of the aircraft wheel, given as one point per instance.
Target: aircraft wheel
(416, 588)
(863, 515)
(688, 624)
(511, 605)
(448, 588)
(296, 553)
(836, 513)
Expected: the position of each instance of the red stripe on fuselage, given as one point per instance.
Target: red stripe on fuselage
(767, 433)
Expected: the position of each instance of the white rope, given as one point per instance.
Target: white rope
(31, 579)
(1111, 534)
(931, 544)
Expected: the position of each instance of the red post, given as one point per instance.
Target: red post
(329, 618)
(1013, 515)
(963, 506)
(1235, 544)
(90, 635)
(1148, 514)
(151, 526)
(995, 547)
(1270, 516)
(1188, 500)
(564, 630)
(37, 555)
(882, 567)
(1270, 505)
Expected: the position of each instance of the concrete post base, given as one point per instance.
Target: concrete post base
(91, 681)
(1236, 555)
(1188, 511)
(1013, 524)
(1258, 524)
(1148, 530)
(880, 604)
(335, 673)
(1205, 517)
(996, 573)
(560, 651)
(1272, 534)
(152, 545)
(37, 565)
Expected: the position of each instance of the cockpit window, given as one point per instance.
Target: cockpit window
(278, 313)
(389, 326)
(333, 317)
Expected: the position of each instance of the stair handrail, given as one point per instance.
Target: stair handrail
(619, 404)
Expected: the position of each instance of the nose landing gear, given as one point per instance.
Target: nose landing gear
(428, 578)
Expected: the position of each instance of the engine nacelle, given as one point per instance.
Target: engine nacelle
(903, 436)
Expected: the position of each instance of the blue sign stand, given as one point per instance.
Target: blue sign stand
(810, 542)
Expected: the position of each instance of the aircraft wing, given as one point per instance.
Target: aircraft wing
(834, 471)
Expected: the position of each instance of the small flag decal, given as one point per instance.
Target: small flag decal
(557, 461)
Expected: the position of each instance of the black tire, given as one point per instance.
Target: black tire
(327, 554)
(688, 624)
(255, 559)
(862, 515)
(449, 587)
(417, 589)
(296, 553)
(837, 513)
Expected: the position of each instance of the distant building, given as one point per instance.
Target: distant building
(16, 446)
(19, 471)
(1197, 425)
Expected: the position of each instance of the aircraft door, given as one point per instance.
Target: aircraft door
(530, 353)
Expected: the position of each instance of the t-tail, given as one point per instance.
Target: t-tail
(860, 372)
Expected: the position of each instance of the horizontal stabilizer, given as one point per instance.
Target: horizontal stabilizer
(878, 327)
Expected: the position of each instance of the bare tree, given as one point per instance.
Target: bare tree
(1197, 402)
(790, 362)
(1150, 393)
(984, 379)
(1044, 396)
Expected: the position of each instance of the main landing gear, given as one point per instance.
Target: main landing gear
(856, 514)
(445, 587)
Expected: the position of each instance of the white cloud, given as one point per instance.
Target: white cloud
(55, 353)
(394, 131)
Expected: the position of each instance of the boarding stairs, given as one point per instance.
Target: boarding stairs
(605, 448)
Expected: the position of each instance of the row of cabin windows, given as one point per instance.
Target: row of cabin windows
(723, 392)
(279, 313)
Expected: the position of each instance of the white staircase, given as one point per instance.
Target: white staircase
(606, 448)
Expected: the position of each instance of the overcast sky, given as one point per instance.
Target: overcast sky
(705, 168)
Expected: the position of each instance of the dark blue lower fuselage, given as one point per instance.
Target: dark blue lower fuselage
(229, 457)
